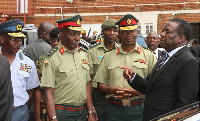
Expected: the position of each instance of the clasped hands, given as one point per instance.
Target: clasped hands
(122, 92)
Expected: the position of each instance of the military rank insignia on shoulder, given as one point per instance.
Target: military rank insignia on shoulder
(21, 56)
(147, 48)
(52, 51)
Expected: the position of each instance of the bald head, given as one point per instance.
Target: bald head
(43, 31)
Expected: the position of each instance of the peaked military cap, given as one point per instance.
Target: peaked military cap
(128, 22)
(54, 33)
(73, 23)
(109, 23)
(13, 28)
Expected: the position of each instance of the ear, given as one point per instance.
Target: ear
(45, 34)
(102, 31)
(1, 40)
(182, 39)
(61, 35)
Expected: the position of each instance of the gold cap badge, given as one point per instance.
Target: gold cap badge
(19, 27)
(78, 22)
(128, 21)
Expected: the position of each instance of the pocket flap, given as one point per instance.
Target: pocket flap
(139, 65)
(66, 68)
(85, 66)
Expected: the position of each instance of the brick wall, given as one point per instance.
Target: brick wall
(93, 6)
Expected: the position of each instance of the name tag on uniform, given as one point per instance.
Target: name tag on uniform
(126, 102)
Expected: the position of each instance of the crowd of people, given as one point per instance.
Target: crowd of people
(67, 76)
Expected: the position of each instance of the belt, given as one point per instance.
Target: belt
(69, 107)
(15, 107)
(119, 102)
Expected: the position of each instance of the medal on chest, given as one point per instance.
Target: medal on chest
(25, 67)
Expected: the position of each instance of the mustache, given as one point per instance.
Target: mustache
(17, 46)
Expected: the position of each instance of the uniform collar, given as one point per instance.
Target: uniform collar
(103, 46)
(62, 49)
(137, 48)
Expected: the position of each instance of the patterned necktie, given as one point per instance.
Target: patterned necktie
(162, 61)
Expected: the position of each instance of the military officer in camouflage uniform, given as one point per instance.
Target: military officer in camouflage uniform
(39, 108)
(95, 54)
(124, 103)
(65, 76)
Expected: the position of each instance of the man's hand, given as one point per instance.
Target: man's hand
(93, 116)
(128, 73)
(38, 119)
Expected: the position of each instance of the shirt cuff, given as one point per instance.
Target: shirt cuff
(132, 78)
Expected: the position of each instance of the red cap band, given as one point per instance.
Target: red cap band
(124, 22)
(62, 25)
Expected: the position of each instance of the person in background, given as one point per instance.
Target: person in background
(23, 71)
(152, 41)
(174, 80)
(95, 55)
(0, 47)
(40, 47)
(124, 103)
(65, 76)
(39, 105)
(6, 93)
(195, 49)
(84, 36)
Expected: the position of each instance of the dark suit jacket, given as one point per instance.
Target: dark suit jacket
(174, 85)
(195, 50)
(6, 92)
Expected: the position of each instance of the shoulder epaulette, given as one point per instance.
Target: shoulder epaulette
(147, 49)
(21, 56)
(94, 45)
(52, 51)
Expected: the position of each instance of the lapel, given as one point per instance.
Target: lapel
(157, 73)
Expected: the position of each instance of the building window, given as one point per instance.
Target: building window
(149, 27)
(139, 28)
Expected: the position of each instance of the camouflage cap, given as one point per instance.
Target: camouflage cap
(128, 22)
(109, 23)
(73, 23)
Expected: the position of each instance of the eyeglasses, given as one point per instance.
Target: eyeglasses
(152, 37)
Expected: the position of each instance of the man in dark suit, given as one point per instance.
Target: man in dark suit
(6, 93)
(195, 49)
(174, 84)
(152, 42)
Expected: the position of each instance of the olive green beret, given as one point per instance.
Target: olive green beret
(109, 23)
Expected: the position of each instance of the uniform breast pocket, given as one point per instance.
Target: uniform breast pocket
(21, 79)
(85, 70)
(65, 74)
(139, 65)
(97, 62)
(115, 71)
